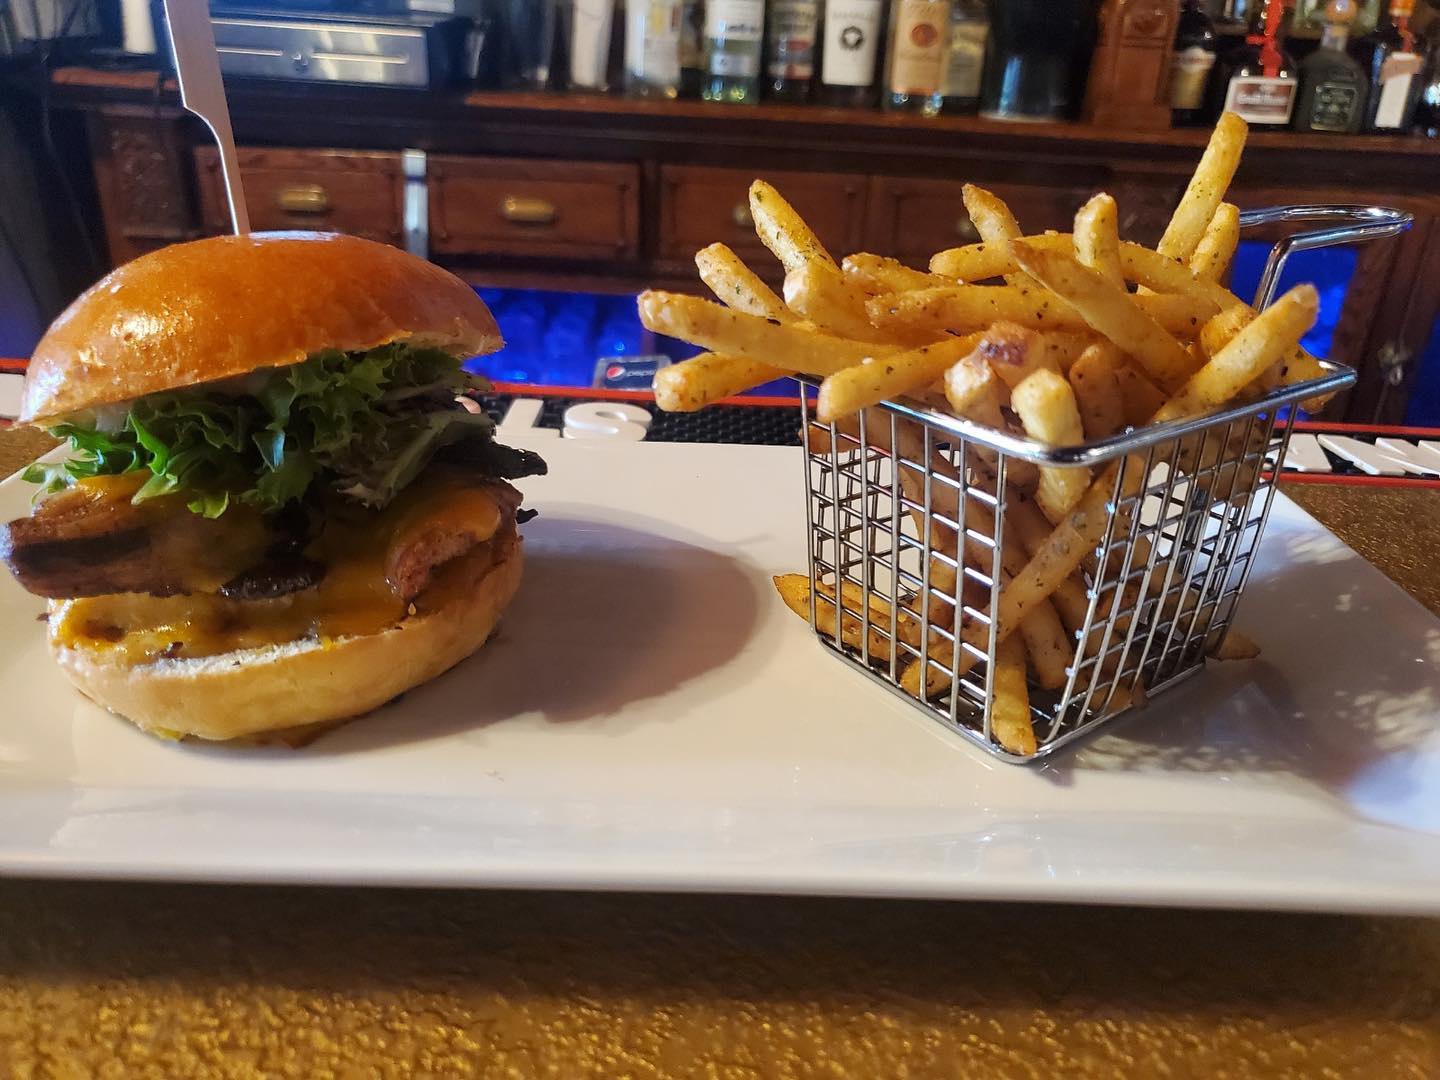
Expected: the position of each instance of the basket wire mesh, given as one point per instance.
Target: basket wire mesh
(914, 528)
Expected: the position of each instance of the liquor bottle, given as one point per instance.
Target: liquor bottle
(965, 56)
(1396, 73)
(1190, 64)
(1036, 59)
(734, 39)
(590, 26)
(849, 49)
(1310, 16)
(790, 49)
(915, 64)
(652, 48)
(692, 48)
(1427, 111)
(1259, 82)
(530, 42)
(1332, 85)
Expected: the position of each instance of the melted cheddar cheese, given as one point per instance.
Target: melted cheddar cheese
(354, 597)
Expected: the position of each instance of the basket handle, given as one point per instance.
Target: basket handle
(1353, 225)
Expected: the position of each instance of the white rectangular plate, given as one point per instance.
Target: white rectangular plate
(650, 717)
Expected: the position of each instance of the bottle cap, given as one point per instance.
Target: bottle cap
(1340, 12)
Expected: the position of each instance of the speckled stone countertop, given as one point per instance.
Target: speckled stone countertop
(151, 981)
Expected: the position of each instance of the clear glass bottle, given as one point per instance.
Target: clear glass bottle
(849, 53)
(652, 48)
(1310, 16)
(1191, 62)
(1332, 85)
(915, 61)
(1397, 73)
(692, 48)
(734, 41)
(591, 24)
(1259, 80)
(790, 49)
(965, 56)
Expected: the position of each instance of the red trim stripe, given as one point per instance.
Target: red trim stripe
(1323, 426)
(595, 393)
(1360, 479)
(13, 367)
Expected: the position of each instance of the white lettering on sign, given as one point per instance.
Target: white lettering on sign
(1305, 455)
(606, 420)
(11, 387)
(522, 420)
(1385, 456)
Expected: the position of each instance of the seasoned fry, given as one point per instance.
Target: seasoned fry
(786, 346)
(1236, 646)
(1031, 527)
(882, 379)
(994, 222)
(1014, 353)
(832, 303)
(1096, 384)
(975, 392)
(692, 384)
(1217, 247)
(1097, 241)
(1217, 332)
(877, 275)
(964, 308)
(1010, 711)
(1046, 406)
(784, 231)
(1110, 311)
(973, 262)
(737, 286)
(1272, 335)
(1206, 189)
(1139, 397)
(794, 589)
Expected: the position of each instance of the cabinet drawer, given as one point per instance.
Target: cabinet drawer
(701, 206)
(913, 219)
(554, 209)
(350, 191)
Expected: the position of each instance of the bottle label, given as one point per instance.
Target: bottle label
(852, 37)
(792, 38)
(1260, 99)
(918, 60)
(1334, 106)
(1189, 71)
(652, 41)
(691, 33)
(734, 30)
(967, 58)
(1396, 76)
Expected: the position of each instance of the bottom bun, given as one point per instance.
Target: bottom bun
(271, 691)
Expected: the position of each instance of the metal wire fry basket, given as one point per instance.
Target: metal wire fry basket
(912, 520)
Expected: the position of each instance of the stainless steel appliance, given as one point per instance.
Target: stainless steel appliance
(413, 49)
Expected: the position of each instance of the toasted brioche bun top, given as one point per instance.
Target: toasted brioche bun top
(228, 305)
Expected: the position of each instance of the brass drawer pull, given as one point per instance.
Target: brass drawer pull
(522, 210)
(303, 199)
(740, 214)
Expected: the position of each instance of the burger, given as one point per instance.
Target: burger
(279, 510)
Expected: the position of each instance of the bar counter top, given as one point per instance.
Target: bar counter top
(166, 981)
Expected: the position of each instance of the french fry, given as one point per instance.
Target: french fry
(1217, 247)
(832, 303)
(973, 262)
(1110, 311)
(975, 392)
(1010, 721)
(964, 308)
(692, 384)
(1063, 349)
(1097, 241)
(1217, 332)
(1096, 384)
(784, 231)
(794, 589)
(873, 381)
(1015, 353)
(1139, 397)
(1271, 336)
(737, 286)
(877, 275)
(1206, 189)
(1032, 528)
(1046, 406)
(994, 222)
(1236, 646)
(734, 333)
